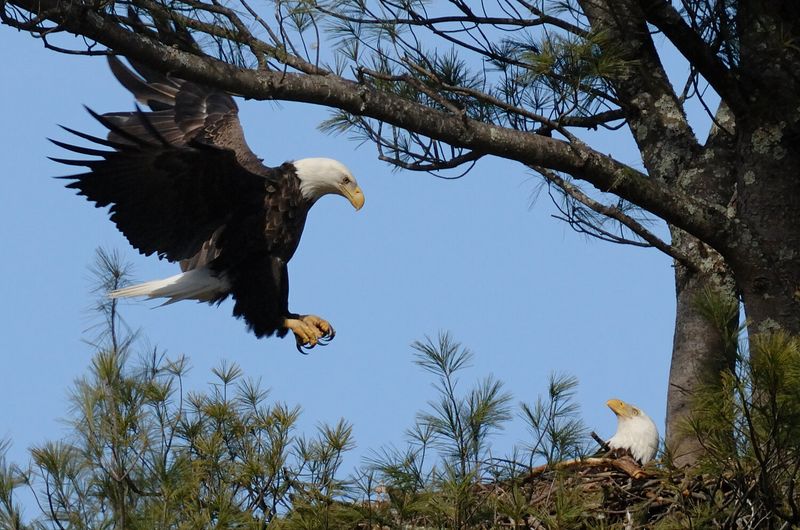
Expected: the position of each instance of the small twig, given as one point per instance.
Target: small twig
(602, 443)
(618, 215)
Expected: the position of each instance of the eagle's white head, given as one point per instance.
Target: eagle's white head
(636, 432)
(321, 176)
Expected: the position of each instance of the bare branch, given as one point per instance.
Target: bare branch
(619, 216)
(468, 158)
(470, 21)
(665, 17)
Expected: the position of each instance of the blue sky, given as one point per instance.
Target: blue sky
(475, 257)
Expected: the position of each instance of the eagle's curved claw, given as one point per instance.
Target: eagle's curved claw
(310, 331)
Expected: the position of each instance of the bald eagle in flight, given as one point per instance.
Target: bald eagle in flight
(182, 183)
(636, 432)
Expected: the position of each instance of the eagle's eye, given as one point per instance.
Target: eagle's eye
(346, 181)
(635, 411)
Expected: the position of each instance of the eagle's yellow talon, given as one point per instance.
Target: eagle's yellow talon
(310, 331)
(321, 324)
(305, 334)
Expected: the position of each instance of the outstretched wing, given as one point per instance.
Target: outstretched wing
(167, 197)
(182, 112)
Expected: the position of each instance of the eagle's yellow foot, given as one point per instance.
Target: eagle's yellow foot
(306, 336)
(310, 331)
(322, 325)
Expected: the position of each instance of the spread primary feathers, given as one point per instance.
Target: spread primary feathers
(636, 432)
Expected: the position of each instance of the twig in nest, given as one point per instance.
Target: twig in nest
(626, 464)
(602, 443)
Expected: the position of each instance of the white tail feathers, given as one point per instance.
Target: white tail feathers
(197, 284)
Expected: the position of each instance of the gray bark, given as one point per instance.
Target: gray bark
(765, 251)
(698, 353)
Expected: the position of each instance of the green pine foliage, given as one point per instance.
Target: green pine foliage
(11, 479)
(749, 423)
(145, 453)
(558, 433)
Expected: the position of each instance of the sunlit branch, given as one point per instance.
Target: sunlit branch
(557, 124)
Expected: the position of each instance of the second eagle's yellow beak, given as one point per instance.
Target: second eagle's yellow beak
(355, 196)
(620, 408)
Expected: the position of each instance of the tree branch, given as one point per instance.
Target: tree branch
(651, 101)
(465, 21)
(704, 220)
(618, 215)
(666, 18)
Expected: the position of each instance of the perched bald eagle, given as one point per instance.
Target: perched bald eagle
(182, 183)
(636, 432)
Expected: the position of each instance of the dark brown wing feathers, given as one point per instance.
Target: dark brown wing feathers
(156, 95)
(165, 199)
(184, 112)
(181, 182)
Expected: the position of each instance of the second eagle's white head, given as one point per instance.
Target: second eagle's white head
(636, 432)
(321, 176)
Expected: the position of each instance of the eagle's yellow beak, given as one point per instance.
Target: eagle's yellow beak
(620, 408)
(355, 196)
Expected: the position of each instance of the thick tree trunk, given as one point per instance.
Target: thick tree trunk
(765, 253)
(698, 351)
